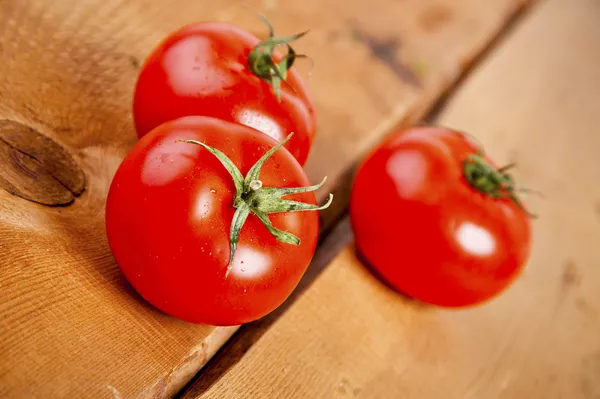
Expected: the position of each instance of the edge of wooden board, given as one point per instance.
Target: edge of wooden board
(177, 378)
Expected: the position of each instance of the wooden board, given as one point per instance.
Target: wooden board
(534, 101)
(71, 326)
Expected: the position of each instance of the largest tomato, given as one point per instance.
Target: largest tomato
(219, 70)
(194, 237)
(437, 219)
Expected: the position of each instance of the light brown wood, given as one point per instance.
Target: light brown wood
(535, 101)
(71, 326)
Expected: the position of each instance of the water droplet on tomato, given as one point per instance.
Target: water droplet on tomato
(242, 270)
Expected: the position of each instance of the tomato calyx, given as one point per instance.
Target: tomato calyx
(252, 198)
(491, 181)
(261, 63)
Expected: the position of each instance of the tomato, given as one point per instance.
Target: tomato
(207, 69)
(170, 221)
(437, 220)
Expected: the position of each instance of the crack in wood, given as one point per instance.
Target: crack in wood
(385, 50)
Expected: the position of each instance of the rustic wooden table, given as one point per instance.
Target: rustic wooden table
(70, 325)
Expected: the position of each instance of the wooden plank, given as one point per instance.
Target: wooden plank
(533, 101)
(71, 325)
(383, 63)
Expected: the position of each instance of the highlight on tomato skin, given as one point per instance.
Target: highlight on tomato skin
(437, 219)
(220, 70)
(211, 222)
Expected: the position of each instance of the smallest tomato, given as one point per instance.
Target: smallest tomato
(437, 220)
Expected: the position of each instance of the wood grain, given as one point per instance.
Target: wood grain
(71, 325)
(36, 168)
(533, 101)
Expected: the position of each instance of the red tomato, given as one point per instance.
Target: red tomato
(203, 69)
(426, 215)
(168, 218)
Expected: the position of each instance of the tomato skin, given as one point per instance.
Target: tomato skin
(202, 69)
(426, 231)
(168, 215)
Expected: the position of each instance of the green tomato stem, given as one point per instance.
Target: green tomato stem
(255, 185)
(262, 64)
(239, 218)
(252, 198)
(496, 183)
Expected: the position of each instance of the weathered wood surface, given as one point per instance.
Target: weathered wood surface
(533, 101)
(71, 326)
